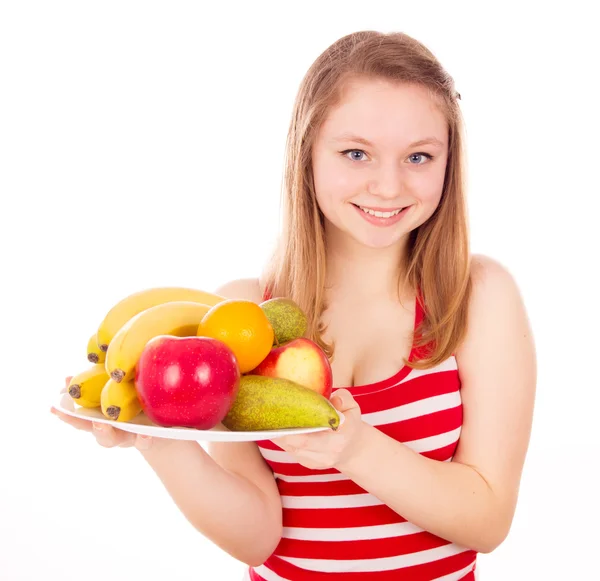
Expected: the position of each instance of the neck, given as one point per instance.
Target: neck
(370, 273)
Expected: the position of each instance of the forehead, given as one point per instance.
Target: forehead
(386, 113)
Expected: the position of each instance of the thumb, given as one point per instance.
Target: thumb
(343, 401)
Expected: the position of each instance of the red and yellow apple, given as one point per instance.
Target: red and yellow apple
(300, 360)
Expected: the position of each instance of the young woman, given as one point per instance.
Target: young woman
(431, 349)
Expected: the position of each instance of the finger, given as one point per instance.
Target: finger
(343, 401)
(143, 442)
(77, 423)
(291, 443)
(127, 441)
(105, 435)
(286, 447)
(124, 439)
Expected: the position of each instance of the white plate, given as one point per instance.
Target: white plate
(142, 425)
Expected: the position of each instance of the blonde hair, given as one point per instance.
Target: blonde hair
(438, 260)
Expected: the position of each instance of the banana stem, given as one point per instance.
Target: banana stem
(113, 412)
(117, 375)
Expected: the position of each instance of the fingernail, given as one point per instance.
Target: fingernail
(144, 437)
(97, 427)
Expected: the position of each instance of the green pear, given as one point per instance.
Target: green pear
(286, 317)
(272, 403)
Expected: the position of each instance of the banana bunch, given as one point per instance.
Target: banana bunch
(115, 348)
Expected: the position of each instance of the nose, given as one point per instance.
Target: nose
(387, 183)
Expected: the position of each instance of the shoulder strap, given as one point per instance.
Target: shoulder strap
(266, 294)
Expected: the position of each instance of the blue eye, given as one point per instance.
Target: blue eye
(352, 150)
(361, 152)
(429, 157)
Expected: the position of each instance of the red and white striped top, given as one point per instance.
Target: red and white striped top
(335, 530)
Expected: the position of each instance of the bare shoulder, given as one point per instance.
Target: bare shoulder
(250, 289)
(495, 290)
(496, 302)
(489, 271)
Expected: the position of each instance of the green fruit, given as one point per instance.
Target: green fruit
(287, 319)
(272, 403)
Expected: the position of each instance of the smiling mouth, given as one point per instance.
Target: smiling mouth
(379, 213)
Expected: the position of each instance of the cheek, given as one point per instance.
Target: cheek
(428, 187)
(333, 184)
(430, 196)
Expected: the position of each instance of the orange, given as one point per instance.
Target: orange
(243, 326)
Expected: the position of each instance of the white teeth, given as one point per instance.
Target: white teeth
(381, 214)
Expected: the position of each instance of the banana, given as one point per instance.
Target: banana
(85, 388)
(137, 302)
(178, 318)
(94, 353)
(119, 401)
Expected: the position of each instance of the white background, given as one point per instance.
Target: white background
(142, 145)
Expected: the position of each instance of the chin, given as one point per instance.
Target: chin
(374, 237)
(382, 240)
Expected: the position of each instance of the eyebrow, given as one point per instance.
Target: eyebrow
(358, 139)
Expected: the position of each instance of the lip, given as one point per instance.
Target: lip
(378, 209)
(375, 220)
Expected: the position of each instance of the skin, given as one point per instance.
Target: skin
(471, 500)
(389, 174)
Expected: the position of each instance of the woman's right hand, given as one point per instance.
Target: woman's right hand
(105, 434)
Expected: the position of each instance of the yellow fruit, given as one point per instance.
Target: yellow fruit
(119, 401)
(94, 353)
(244, 327)
(85, 387)
(137, 302)
(178, 318)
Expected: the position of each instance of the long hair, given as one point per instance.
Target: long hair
(438, 260)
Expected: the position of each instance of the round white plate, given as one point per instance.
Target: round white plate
(142, 425)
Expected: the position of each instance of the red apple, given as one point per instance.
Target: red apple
(187, 381)
(300, 360)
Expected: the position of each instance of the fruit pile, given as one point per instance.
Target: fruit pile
(189, 358)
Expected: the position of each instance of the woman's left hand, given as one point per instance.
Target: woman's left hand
(330, 448)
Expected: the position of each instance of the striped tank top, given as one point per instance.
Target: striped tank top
(334, 530)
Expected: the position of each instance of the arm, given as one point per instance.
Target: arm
(471, 500)
(228, 494)
(239, 510)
